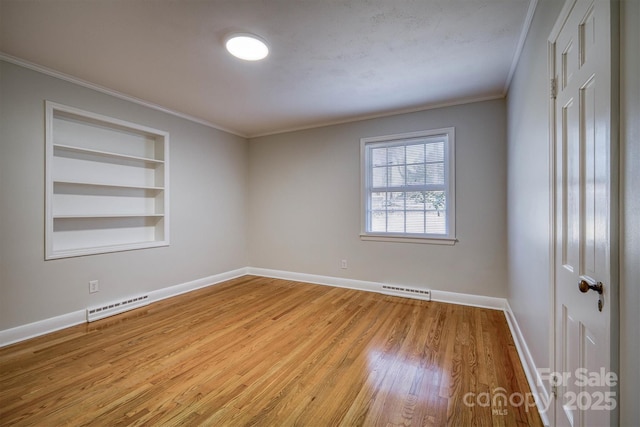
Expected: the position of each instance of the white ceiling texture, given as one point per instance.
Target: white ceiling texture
(330, 61)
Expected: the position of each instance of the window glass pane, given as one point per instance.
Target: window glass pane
(396, 200)
(435, 173)
(416, 174)
(435, 200)
(380, 177)
(435, 152)
(416, 200)
(396, 176)
(379, 221)
(395, 212)
(436, 224)
(395, 155)
(379, 201)
(415, 222)
(395, 222)
(415, 153)
(379, 156)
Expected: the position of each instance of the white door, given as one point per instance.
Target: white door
(581, 51)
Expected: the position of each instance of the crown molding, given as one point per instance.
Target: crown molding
(452, 103)
(520, 46)
(66, 77)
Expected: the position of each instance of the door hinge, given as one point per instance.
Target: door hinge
(554, 386)
(554, 88)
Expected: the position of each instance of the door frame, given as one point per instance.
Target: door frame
(614, 230)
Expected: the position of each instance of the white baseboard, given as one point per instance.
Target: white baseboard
(339, 282)
(42, 327)
(362, 285)
(481, 301)
(183, 288)
(536, 383)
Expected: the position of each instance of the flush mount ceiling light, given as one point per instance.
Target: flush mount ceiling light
(247, 46)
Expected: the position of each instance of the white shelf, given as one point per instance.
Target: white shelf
(81, 150)
(80, 216)
(68, 253)
(107, 184)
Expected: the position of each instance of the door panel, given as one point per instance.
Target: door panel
(583, 212)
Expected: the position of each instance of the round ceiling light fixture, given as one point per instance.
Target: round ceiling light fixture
(247, 46)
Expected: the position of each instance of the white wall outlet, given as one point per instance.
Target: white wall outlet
(343, 264)
(94, 286)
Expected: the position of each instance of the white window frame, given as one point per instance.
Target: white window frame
(449, 165)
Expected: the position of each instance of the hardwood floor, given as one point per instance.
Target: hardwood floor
(257, 351)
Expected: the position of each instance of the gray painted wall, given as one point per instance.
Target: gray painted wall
(528, 198)
(630, 210)
(208, 206)
(305, 204)
(528, 186)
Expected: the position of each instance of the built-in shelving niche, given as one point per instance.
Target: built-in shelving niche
(107, 186)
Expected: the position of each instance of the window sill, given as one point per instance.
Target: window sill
(409, 239)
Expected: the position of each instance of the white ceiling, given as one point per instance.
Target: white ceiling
(330, 60)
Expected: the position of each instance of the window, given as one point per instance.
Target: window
(408, 187)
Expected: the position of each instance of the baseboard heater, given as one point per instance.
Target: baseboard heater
(413, 292)
(110, 309)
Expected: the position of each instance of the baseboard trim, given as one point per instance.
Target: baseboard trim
(42, 327)
(339, 282)
(480, 301)
(536, 382)
(204, 282)
(363, 285)
(46, 326)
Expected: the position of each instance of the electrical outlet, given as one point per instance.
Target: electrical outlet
(343, 264)
(94, 286)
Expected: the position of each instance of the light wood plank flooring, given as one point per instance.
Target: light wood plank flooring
(257, 351)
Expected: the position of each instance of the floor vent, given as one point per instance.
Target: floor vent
(100, 312)
(423, 293)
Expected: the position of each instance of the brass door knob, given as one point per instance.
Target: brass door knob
(584, 286)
